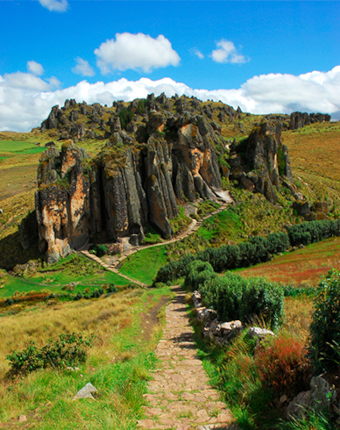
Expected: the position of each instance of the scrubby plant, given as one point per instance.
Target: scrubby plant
(99, 250)
(68, 350)
(283, 366)
(324, 349)
(125, 116)
(313, 231)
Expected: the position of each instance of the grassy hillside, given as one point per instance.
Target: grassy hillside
(302, 267)
(118, 364)
(84, 276)
(314, 151)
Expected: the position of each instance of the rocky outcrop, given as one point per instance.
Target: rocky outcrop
(300, 119)
(62, 202)
(127, 186)
(264, 161)
(158, 151)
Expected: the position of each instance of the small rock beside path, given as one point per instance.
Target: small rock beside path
(180, 396)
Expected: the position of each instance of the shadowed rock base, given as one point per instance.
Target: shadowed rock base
(180, 396)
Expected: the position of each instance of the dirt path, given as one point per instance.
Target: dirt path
(193, 226)
(180, 396)
(112, 269)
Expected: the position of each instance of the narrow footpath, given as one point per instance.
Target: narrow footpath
(180, 396)
(111, 269)
(193, 226)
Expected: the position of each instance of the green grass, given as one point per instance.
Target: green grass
(118, 366)
(180, 222)
(226, 224)
(15, 146)
(74, 268)
(215, 231)
(145, 264)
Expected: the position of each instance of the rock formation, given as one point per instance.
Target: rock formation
(129, 184)
(264, 160)
(157, 153)
(299, 119)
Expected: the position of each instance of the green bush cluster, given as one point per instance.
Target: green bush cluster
(313, 231)
(257, 250)
(68, 350)
(237, 298)
(324, 350)
(228, 257)
(198, 272)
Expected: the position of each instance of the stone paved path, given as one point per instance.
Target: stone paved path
(180, 396)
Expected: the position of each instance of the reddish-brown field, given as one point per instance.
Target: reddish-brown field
(302, 267)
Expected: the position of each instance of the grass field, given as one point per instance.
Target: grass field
(302, 267)
(118, 364)
(145, 264)
(313, 151)
(23, 147)
(87, 275)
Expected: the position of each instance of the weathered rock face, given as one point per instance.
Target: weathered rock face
(300, 119)
(62, 202)
(268, 160)
(128, 185)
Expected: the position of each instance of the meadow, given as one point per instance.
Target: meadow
(118, 364)
(83, 274)
(302, 267)
(145, 264)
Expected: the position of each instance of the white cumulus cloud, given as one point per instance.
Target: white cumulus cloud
(26, 100)
(35, 68)
(226, 52)
(26, 81)
(135, 51)
(83, 68)
(55, 5)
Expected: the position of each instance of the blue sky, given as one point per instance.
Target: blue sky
(258, 55)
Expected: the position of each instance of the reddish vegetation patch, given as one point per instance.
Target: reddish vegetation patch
(28, 298)
(283, 366)
(304, 266)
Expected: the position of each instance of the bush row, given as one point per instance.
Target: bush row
(227, 257)
(258, 249)
(313, 231)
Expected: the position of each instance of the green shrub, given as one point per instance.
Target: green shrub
(68, 350)
(174, 270)
(324, 349)
(198, 272)
(237, 298)
(99, 250)
(125, 116)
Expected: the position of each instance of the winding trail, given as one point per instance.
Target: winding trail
(194, 226)
(112, 269)
(180, 396)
